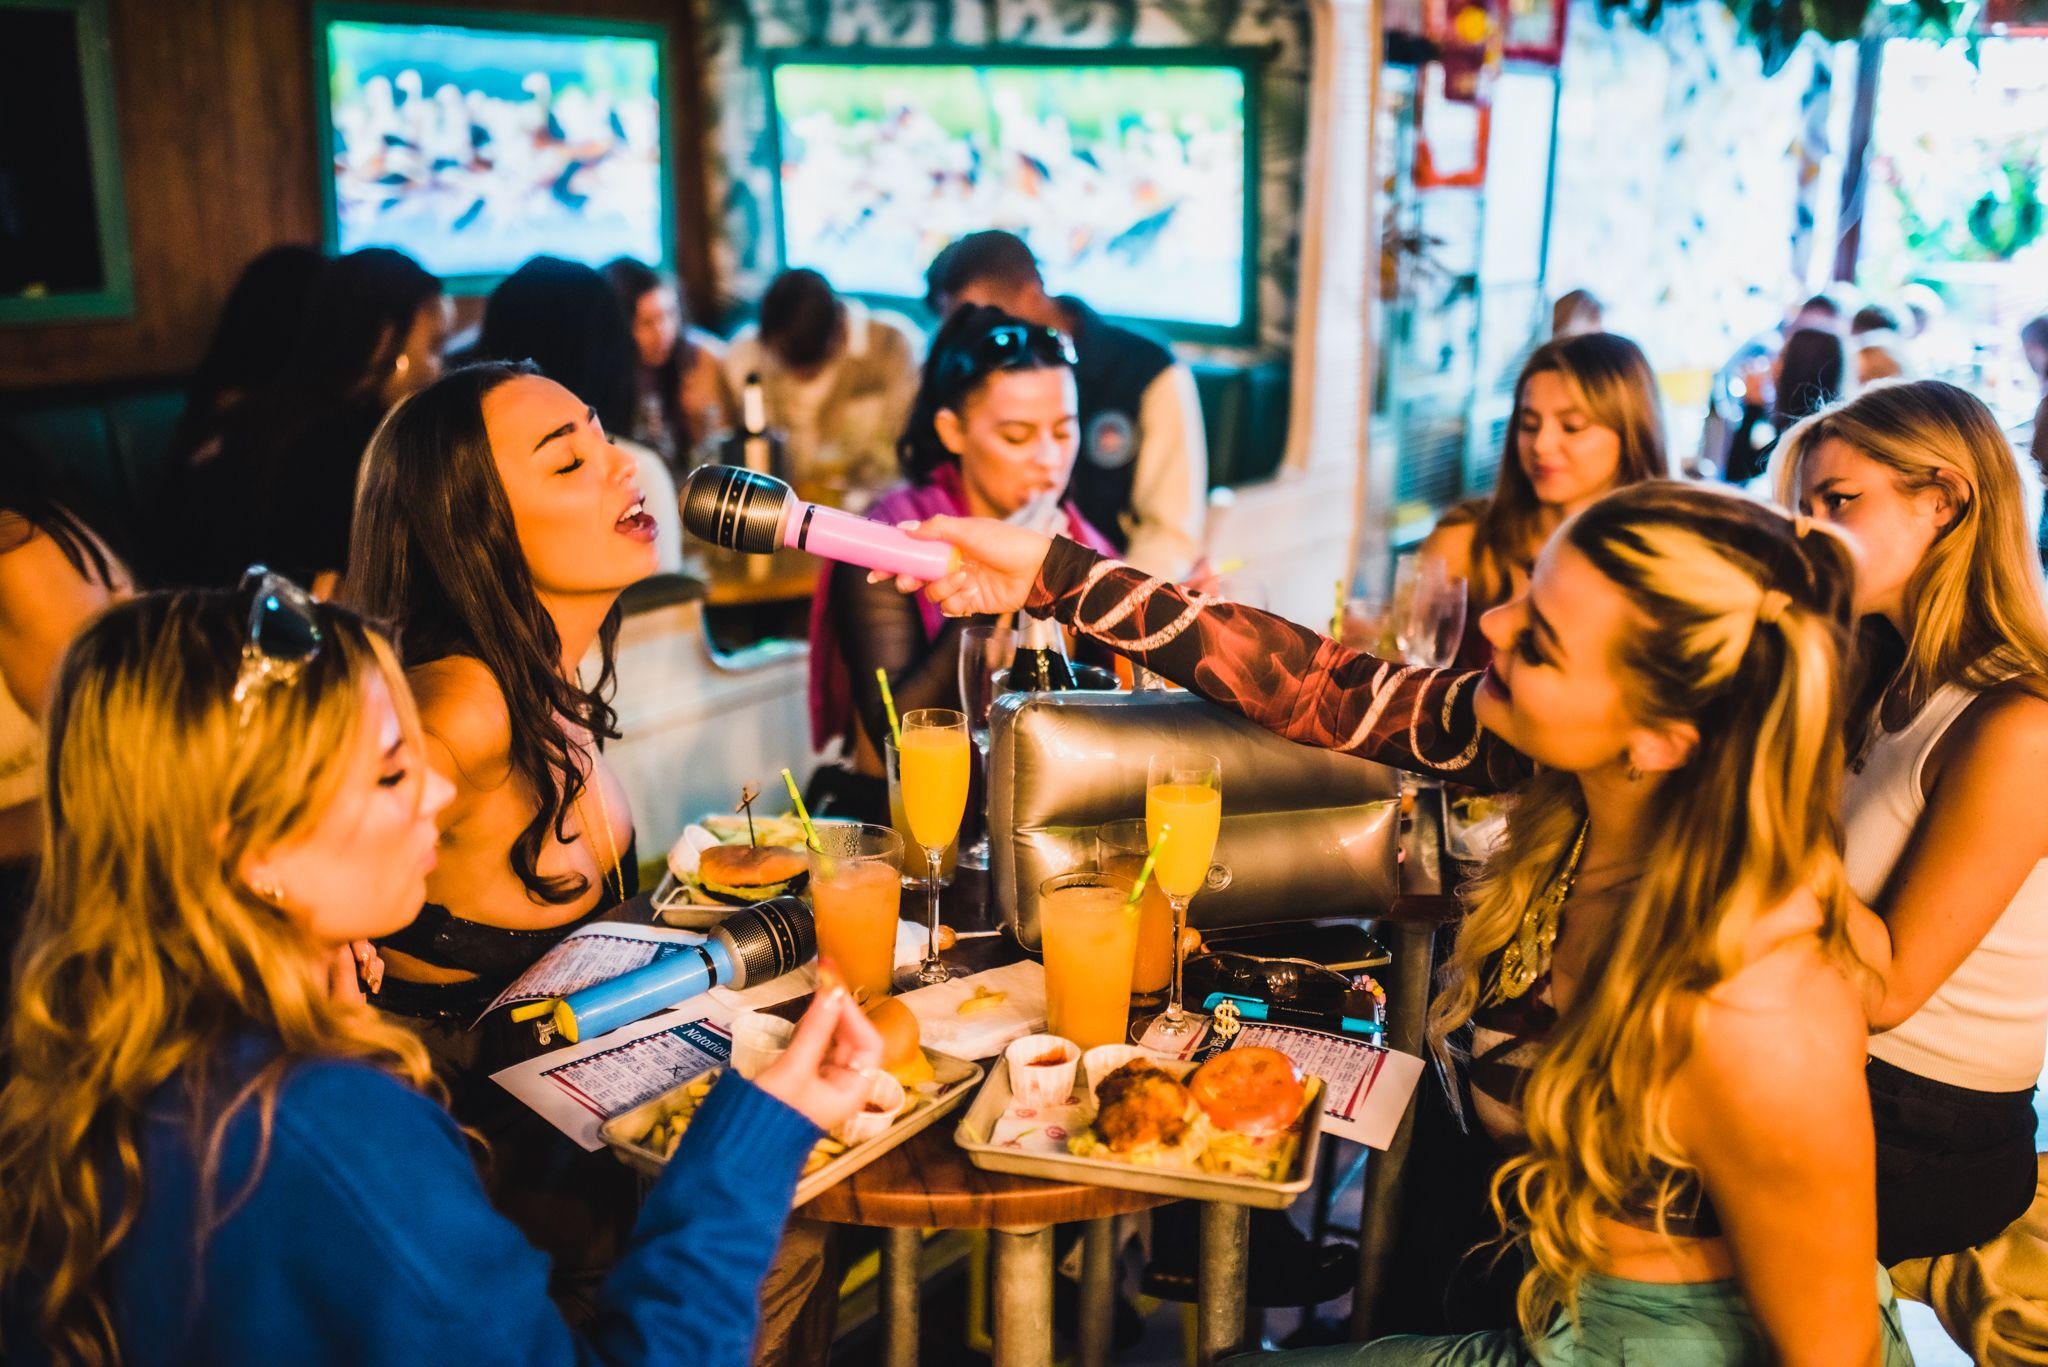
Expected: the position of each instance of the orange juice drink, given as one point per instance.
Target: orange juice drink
(935, 772)
(1121, 849)
(857, 906)
(914, 866)
(1090, 939)
(1194, 811)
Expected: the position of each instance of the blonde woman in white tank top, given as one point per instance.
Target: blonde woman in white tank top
(1944, 815)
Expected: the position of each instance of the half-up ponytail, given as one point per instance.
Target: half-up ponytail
(1741, 628)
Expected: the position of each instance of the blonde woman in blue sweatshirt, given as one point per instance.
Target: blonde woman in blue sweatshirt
(215, 1152)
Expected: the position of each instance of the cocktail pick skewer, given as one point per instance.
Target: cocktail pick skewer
(748, 792)
(889, 705)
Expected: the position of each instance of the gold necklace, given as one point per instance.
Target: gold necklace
(1526, 958)
(593, 782)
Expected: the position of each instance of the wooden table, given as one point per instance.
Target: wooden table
(929, 1184)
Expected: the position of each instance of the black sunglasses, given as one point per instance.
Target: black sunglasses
(1012, 346)
(284, 634)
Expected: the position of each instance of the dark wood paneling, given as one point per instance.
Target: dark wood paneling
(220, 161)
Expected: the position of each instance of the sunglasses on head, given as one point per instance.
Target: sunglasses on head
(284, 635)
(1012, 346)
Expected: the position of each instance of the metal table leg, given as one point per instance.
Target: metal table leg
(1407, 1006)
(900, 1249)
(1098, 1291)
(1023, 1332)
(1220, 1291)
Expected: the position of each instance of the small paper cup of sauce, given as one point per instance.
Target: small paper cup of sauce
(1042, 1069)
(877, 1113)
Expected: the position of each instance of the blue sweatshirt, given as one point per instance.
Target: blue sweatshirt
(367, 1238)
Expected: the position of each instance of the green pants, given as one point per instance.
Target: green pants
(1628, 1324)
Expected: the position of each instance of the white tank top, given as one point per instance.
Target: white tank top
(1987, 1026)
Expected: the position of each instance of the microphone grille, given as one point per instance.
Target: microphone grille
(770, 938)
(734, 508)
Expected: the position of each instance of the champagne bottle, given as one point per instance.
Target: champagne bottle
(1040, 664)
(757, 448)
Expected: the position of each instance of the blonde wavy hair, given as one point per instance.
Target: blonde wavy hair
(1974, 606)
(1739, 629)
(1612, 381)
(145, 952)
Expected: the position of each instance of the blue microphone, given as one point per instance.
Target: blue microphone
(752, 945)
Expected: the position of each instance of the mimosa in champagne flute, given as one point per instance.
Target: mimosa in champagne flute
(934, 772)
(1184, 799)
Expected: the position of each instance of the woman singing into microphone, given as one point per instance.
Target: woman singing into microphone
(1668, 909)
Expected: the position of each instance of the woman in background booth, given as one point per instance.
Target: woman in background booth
(1666, 910)
(1942, 839)
(1586, 420)
(282, 490)
(993, 432)
(681, 402)
(1801, 380)
(215, 1152)
(258, 326)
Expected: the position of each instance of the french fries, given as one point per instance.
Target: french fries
(667, 1131)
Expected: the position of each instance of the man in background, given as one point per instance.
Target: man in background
(1143, 474)
(837, 378)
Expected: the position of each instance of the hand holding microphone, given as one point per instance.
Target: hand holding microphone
(744, 510)
(995, 565)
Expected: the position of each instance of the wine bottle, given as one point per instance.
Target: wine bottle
(1040, 664)
(757, 448)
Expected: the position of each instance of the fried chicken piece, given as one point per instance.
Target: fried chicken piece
(1140, 1104)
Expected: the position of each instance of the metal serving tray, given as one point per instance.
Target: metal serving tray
(979, 1123)
(955, 1078)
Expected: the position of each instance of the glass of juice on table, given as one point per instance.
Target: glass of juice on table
(1089, 932)
(913, 854)
(1184, 799)
(934, 772)
(857, 895)
(1120, 848)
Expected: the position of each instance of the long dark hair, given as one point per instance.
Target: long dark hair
(631, 281)
(1809, 376)
(259, 325)
(435, 553)
(32, 492)
(1618, 389)
(563, 317)
(954, 369)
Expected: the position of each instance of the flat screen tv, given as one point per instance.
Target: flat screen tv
(473, 141)
(1131, 174)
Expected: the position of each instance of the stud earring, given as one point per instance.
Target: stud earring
(1635, 775)
(269, 892)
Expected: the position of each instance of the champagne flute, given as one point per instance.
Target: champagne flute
(1429, 612)
(933, 760)
(1184, 798)
(985, 649)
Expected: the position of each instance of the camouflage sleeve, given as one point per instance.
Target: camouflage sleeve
(1294, 682)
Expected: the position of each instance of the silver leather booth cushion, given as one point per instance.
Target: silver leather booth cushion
(1305, 832)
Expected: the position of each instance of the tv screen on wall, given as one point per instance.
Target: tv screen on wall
(476, 143)
(1129, 175)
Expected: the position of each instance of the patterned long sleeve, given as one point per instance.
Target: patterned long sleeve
(1294, 682)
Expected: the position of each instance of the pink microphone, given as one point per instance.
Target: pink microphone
(744, 510)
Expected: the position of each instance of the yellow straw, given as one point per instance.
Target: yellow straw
(1145, 870)
(810, 831)
(1231, 566)
(889, 705)
(1337, 614)
(534, 1010)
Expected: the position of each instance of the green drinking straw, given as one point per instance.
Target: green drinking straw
(1337, 614)
(1145, 869)
(889, 705)
(810, 831)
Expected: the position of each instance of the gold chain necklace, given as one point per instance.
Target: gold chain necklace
(1526, 958)
(593, 782)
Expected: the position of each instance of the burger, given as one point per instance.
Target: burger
(1143, 1115)
(903, 1056)
(741, 875)
(1251, 1098)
